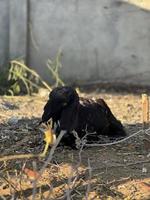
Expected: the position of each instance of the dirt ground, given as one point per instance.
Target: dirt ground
(120, 171)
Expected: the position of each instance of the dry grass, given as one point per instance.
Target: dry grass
(119, 171)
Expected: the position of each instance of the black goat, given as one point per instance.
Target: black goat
(71, 113)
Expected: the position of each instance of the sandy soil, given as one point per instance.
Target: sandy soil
(120, 171)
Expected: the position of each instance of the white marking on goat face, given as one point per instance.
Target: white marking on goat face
(55, 127)
(82, 102)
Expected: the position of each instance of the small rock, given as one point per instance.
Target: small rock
(4, 137)
(148, 155)
(144, 170)
(9, 106)
(13, 120)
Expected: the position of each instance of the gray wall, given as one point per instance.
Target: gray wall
(4, 32)
(106, 40)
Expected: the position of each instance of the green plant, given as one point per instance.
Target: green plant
(23, 79)
(20, 77)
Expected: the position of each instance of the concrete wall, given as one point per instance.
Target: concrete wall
(13, 30)
(4, 32)
(106, 40)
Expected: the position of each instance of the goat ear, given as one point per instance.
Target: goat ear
(47, 112)
(69, 116)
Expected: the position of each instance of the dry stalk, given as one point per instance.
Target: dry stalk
(68, 190)
(20, 156)
(20, 180)
(33, 156)
(71, 183)
(50, 156)
(34, 183)
(49, 193)
(15, 62)
(9, 183)
(145, 110)
(124, 165)
(54, 73)
(90, 177)
(120, 181)
(117, 142)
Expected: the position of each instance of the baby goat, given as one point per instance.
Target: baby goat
(84, 116)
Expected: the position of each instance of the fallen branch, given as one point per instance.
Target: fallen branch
(117, 142)
(50, 156)
(120, 181)
(20, 156)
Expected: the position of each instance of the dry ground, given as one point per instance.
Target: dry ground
(119, 171)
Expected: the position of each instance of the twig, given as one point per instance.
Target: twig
(20, 180)
(138, 162)
(79, 143)
(68, 191)
(20, 156)
(9, 182)
(90, 176)
(122, 180)
(34, 191)
(55, 74)
(32, 156)
(117, 142)
(125, 165)
(50, 156)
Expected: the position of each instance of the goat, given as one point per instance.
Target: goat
(70, 113)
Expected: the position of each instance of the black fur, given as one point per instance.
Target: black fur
(69, 112)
